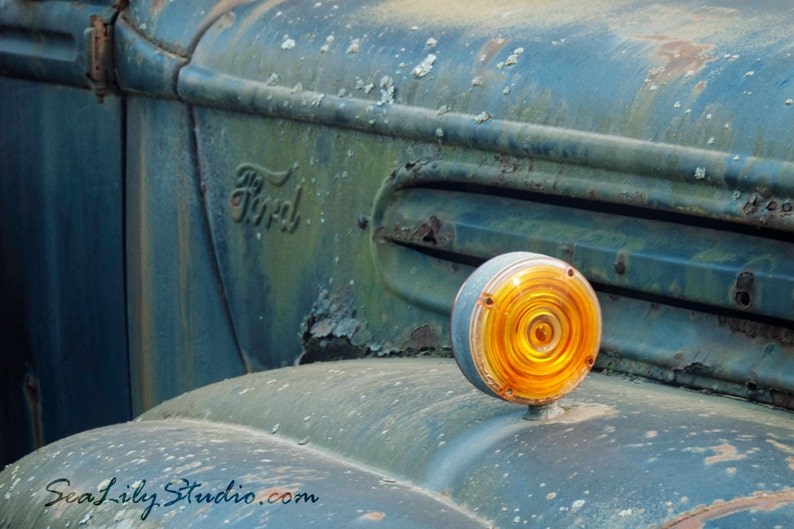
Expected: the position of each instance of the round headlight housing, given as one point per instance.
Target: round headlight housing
(526, 327)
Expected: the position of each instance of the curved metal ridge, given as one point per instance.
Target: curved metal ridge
(689, 263)
(762, 187)
(418, 420)
(46, 41)
(187, 473)
(688, 195)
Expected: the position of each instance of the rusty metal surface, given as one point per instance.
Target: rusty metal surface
(624, 453)
(47, 40)
(671, 178)
(144, 67)
(175, 27)
(418, 220)
(772, 509)
(409, 443)
(198, 474)
(180, 333)
(642, 112)
(585, 108)
(647, 256)
(253, 191)
(61, 265)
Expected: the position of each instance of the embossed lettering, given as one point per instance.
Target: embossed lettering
(252, 201)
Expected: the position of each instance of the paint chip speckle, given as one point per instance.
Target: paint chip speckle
(386, 91)
(482, 117)
(287, 43)
(355, 45)
(424, 67)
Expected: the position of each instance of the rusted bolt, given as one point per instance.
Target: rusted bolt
(743, 291)
(751, 205)
(743, 300)
(362, 222)
(620, 268)
(428, 231)
(486, 301)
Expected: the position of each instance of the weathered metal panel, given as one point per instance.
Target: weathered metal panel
(292, 249)
(263, 132)
(615, 69)
(651, 257)
(176, 27)
(622, 453)
(198, 474)
(625, 453)
(625, 127)
(180, 333)
(143, 67)
(49, 41)
(62, 282)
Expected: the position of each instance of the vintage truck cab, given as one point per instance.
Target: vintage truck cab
(231, 220)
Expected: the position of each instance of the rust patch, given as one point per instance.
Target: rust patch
(33, 400)
(226, 20)
(490, 50)
(254, 15)
(724, 453)
(156, 6)
(755, 329)
(699, 87)
(330, 330)
(428, 231)
(679, 57)
(224, 6)
(780, 446)
(496, 16)
(375, 516)
(422, 339)
(581, 413)
(760, 501)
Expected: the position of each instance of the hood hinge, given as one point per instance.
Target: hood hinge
(100, 64)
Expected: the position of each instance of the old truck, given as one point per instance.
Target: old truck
(240, 241)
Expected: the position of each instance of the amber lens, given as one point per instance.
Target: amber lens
(535, 331)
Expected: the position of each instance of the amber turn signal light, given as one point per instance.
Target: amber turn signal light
(526, 327)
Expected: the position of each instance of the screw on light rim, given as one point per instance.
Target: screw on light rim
(526, 328)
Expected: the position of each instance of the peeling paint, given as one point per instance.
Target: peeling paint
(760, 501)
(424, 67)
(723, 454)
(375, 516)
